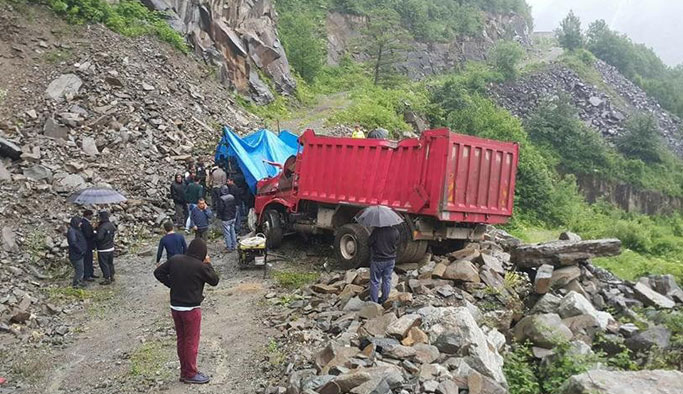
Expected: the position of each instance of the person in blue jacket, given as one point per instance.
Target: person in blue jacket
(200, 219)
(173, 242)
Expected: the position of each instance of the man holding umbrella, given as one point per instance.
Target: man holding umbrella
(383, 242)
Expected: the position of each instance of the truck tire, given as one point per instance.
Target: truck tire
(412, 252)
(272, 228)
(409, 251)
(351, 246)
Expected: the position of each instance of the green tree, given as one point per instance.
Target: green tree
(383, 40)
(505, 56)
(641, 140)
(569, 34)
(305, 49)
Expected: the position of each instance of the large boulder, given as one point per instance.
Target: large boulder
(561, 253)
(657, 336)
(664, 284)
(64, 87)
(462, 270)
(620, 382)
(476, 349)
(574, 304)
(650, 297)
(9, 149)
(544, 330)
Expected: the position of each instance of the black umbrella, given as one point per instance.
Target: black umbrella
(379, 216)
(95, 196)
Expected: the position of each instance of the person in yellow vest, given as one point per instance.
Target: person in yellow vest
(357, 132)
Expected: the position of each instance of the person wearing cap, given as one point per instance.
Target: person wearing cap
(185, 276)
(104, 240)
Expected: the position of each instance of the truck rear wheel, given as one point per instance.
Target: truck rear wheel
(272, 228)
(412, 252)
(351, 246)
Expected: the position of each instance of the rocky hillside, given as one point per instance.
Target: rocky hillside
(604, 104)
(83, 106)
(447, 323)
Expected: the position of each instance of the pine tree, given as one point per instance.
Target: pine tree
(569, 34)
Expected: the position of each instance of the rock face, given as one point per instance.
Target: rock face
(239, 36)
(423, 59)
(614, 382)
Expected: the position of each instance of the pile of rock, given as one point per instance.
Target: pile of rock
(606, 111)
(120, 113)
(447, 323)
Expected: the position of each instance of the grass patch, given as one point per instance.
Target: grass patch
(294, 280)
(631, 265)
(275, 355)
(64, 295)
(57, 55)
(29, 369)
(128, 17)
(150, 360)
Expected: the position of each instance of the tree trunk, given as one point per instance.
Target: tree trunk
(378, 63)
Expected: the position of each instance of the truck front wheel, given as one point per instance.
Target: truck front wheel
(351, 246)
(272, 228)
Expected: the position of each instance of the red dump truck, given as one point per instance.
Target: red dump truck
(447, 187)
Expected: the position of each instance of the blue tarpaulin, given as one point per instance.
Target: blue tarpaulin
(253, 149)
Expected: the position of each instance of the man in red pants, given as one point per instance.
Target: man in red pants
(186, 275)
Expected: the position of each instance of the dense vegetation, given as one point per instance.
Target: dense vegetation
(390, 24)
(128, 17)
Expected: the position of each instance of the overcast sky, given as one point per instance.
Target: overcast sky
(655, 23)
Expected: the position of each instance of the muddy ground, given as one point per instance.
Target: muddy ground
(122, 338)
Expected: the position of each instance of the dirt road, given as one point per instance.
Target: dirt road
(125, 341)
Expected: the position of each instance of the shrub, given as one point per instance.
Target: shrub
(520, 370)
(641, 139)
(505, 56)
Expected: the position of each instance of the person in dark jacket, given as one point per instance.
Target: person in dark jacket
(201, 173)
(186, 275)
(193, 192)
(238, 194)
(104, 239)
(77, 248)
(200, 219)
(227, 211)
(173, 243)
(383, 242)
(89, 233)
(179, 201)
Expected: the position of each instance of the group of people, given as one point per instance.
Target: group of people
(83, 240)
(188, 268)
(228, 201)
